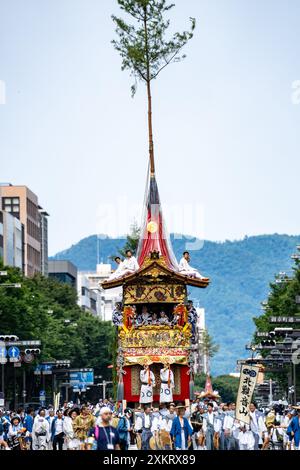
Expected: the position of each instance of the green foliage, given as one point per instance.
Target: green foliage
(227, 387)
(143, 45)
(240, 273)
(132, 240)
(209, 347)
(38, 310)
(281, 301)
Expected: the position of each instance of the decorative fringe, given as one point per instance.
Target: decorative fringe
(120, 391)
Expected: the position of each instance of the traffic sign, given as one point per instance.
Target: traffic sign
(3, 351)
(28, 358)
(13, 352)
(86, 378)
(17, 364)
(3, 360)
(42, 396)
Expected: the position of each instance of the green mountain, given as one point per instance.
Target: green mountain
(240, 273)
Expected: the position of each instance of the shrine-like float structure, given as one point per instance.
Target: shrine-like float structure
(158, 285)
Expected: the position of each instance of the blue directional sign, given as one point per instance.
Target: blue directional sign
(13, 351)
(3, 351)
(85, 378)
(42, 397)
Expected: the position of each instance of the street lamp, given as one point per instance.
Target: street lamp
(253, 349)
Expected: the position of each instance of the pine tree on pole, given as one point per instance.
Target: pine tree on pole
(144, 48)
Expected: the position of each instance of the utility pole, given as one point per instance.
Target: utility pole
(104, 383)
(15, 389)
(271, 392)
(24, 387)
(2, 379)
(295, 380)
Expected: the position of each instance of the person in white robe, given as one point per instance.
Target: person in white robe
(257, 426)
(72, 443)
(130, 263)
(40, 432)
(119, 271)
(245, 438)
(144, 318)
(186, 269)
(284, 425)
(163, 320)
(147, 379)
(167, 384)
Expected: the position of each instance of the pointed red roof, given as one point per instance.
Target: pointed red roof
(208, 385)
(154, 236)
(208, 391)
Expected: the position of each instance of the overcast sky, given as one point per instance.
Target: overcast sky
(226, 122)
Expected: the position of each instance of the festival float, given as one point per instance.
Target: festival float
(157, 286)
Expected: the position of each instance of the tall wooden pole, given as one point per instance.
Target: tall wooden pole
(151, 145)
(150, 128)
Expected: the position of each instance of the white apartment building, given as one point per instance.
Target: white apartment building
(200, 359)
(92, 297)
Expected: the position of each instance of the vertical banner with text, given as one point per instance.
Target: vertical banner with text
(248, 381)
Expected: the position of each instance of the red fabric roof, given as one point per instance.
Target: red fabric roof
(154, 236)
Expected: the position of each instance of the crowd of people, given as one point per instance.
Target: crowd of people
(202, 425)
(160, 318)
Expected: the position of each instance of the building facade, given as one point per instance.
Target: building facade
(12, 232)
(90, 291)
(44, 240)
(64, 271)
(22, 203)
(1, 234)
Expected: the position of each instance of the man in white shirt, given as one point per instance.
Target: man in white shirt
(119, 272)
(58, 431)
(210, 426)
(231, 428)
(145, 424)
(130, 263)
(186, 269)
(257, 426)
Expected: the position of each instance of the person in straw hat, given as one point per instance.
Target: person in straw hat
(181, 431)
(294, 428)
(147, 379)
